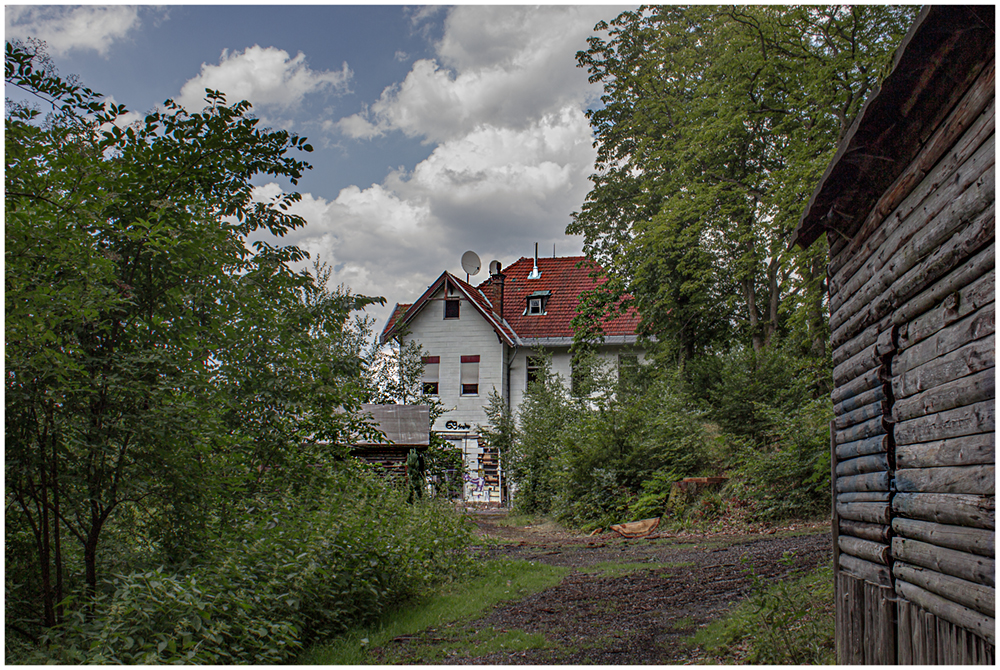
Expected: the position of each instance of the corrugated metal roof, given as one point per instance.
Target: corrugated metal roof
(403, 425)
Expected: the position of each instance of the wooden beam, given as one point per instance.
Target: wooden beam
(870, 445)
(972, 327)
(964, 617)
(866, 531)
(863, 465)
(947, 508)
(970, 479)
(865, 570)
(978, 569)
(866, 549)
(961, 294)
(875, 481)
(967, 420)
(960, 538)
(867, 512)
(969, 450)
(963, 391)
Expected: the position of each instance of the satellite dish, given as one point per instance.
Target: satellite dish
(494, 268)
(471, 263)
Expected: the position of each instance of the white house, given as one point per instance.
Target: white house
(488, 337)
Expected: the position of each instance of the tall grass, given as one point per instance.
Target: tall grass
(498, 581)
(788, 622)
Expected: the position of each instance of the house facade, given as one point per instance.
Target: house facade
(490, 337)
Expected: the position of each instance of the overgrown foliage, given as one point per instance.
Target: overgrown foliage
(177, 398)
(716, 124)
(789, 622)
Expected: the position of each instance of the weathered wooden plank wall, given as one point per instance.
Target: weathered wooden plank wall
(912, 316)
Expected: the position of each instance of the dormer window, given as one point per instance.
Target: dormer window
(537, 302)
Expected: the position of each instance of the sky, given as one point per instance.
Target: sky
(436, 129)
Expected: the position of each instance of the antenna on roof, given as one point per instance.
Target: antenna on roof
(535, 274)
(471, 264)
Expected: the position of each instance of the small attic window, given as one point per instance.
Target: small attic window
(536, 303)
(451, 308)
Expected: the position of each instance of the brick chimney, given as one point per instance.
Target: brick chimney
(496, 290)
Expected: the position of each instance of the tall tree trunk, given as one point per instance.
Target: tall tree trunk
(750, 295)
(773, 300)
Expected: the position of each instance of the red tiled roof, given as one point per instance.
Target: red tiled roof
(559, 276)
(397, 311)
(566, 282)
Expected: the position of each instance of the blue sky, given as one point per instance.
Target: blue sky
(436, 129)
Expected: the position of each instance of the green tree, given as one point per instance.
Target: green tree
(716, 124)
(131, 298)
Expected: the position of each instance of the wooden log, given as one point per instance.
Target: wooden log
(865, 570)
(945, 258)
(864, 430)
(856, 366)
(875, 481)
(947, 508)
(974, 568)
(964, 617)
(960, 538)
(851, 347)
(865, 382)
(874, 410)
(875, 395)
(867, 512)
(866, 531)
(968, 450)
(968, 420)
(926, 312)
(871, 445)
(960, 332)
(866, 549)
(863, 465)
(917, 236)
(965, 243)
(966, 360)
(960, 303)
(970, 479)
(864, 496)
(975, 596)
(970, 124)
(923, 228)
(950, 395)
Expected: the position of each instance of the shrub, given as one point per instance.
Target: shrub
(294, 571)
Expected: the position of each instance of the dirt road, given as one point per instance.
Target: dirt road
(629, 601)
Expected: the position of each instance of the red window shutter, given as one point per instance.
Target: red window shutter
(427, 360)
(470, 359)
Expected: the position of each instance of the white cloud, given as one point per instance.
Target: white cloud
(503, 105)
(67, 28)
(266, 76)
(502, 65)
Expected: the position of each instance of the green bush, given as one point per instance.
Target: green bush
(296, 570)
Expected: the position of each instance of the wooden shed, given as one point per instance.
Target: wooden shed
(907, 206)
(405, 427)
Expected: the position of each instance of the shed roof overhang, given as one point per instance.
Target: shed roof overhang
(940, 56)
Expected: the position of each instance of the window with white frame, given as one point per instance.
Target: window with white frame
(432, 366)
(537, 303)
(470, 375)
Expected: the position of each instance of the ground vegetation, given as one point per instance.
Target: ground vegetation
(178, 399)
